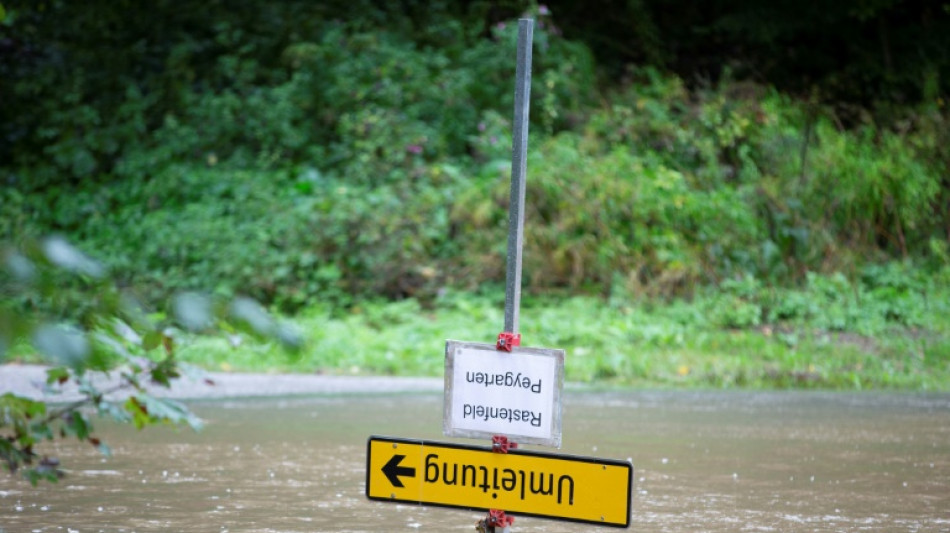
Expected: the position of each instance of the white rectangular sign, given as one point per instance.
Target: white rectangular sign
(516, 394)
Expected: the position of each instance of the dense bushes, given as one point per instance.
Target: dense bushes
(660, 192)
(664, 189)
(302, 154)
(353, 88)
(595, 219)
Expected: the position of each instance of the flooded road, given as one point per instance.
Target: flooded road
(703, 461)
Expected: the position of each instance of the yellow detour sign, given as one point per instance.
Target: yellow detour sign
(579, 489)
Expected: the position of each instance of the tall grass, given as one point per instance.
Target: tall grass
(885, 330)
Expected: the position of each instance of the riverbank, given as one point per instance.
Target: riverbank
(829, 335)
(29, 381)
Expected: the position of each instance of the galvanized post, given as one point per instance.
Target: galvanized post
(497, 522)
(519, 166)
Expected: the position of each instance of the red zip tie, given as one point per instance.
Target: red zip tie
(497, 518)
(507, 341)
(501, 444)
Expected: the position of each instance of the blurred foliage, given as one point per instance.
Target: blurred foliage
(60, 307)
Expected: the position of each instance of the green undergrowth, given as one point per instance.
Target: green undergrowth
(659, 190)
(831, 333)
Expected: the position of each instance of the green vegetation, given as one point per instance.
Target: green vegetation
(886, 329)
(693, 190)
(346, 165)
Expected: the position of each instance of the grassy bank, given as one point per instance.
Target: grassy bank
(830, 333)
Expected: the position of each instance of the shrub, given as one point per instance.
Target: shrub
(592, 220)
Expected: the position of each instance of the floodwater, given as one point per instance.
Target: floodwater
(703, 461)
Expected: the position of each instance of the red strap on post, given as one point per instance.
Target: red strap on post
(501, 444)
(497, 518)
(507, 341)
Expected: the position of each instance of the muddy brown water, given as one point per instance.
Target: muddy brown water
(704, 461)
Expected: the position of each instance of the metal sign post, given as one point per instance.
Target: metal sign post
(503, 392)
(519, 170)
(497, 520)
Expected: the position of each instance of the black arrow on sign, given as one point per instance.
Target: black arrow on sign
(393, 470)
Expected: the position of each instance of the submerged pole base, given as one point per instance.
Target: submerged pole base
(496, 522)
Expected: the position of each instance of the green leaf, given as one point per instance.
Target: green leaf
(115, 412)
(193, 311)
(102, 357)
(77, 424)
(34, 476)
(170, 411)
(152, 340)
(57, 375)
(289, 335)
(61, 344)
(138, 412)
(47, 470)
(21, 268)
(10, 455)
(64, 255)
(15, 409)
(41, 431)
(165, 371)
(249, 315)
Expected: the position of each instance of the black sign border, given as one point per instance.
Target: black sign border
(529, 453)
